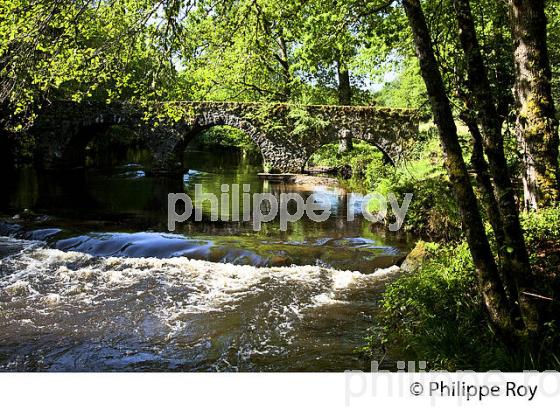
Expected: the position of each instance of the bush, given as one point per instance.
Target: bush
(432, 213)
(436, 313)
(360, 157)
(226, 136)
(541, 226)
(542, 231)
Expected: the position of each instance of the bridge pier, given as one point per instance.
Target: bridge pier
(167, 147)
(283, 161)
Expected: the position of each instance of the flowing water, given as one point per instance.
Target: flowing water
(91, 280)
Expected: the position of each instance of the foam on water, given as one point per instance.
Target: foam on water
(220, 316)
(211, 285)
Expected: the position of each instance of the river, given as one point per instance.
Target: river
(90, 280)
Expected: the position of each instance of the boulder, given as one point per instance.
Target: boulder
(415, 258)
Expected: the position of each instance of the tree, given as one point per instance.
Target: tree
(344, 98)
(80, 50)
(516, 270)
(407, 90)
(501, 313)
(240, 50)
(328, 41)
(553, 43)
(537, 126)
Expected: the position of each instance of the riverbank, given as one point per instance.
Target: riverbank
(433, 213)
(311, 180)
(434, 313)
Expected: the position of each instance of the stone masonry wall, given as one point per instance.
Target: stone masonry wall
(287, 135)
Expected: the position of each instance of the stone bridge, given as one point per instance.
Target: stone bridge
(287, 135)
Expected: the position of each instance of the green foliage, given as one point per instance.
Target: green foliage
(294, 121)
(406, 91)
(542, 230)
(433, 212)
(227, 137)
(436, 313)
(240, 50)
(361, 158)
(541, 226)
(553, 14)
(80, 50)
(303, 125)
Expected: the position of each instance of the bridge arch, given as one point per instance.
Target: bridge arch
(64, 133)
(212, 119)
(109, 137)
(276, 156)
(62, 142)
(209, 120)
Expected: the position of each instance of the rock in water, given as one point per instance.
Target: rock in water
(415, 258)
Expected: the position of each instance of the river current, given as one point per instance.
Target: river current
(91, 281)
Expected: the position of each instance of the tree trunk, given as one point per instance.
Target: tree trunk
(282, 57)
(537, 127)
(490, 203)
(516, 269)
(491, 285)
(484, 183)
(344, 98)
(344, 88)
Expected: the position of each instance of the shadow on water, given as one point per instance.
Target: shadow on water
(122, 209)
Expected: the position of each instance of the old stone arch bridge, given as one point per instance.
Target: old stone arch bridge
(287, 135)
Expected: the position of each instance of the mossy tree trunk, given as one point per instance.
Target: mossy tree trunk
(537, 127)
(484, 183)
(283, 59)
(490, 282)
